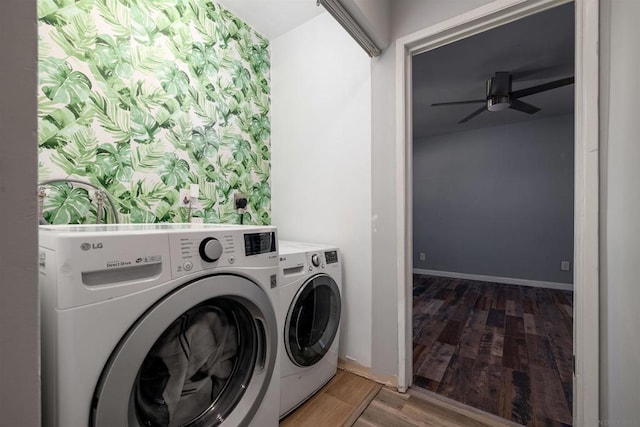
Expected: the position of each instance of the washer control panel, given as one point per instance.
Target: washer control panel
(210, 249)
(198, 251)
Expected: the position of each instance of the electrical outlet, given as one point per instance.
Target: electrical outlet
(239, 200)
(565, 265)
(423, 256)
(185, 194)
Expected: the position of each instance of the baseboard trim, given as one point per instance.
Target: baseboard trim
(363, 371)
(506, 280)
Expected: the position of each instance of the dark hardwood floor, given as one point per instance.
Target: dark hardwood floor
(504, 349)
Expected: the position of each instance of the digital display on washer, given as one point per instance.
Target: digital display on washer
(259, 243)
(331, 256)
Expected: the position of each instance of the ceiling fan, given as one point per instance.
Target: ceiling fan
(500, 96)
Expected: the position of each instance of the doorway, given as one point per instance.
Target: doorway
(585, 276)
(493, 156)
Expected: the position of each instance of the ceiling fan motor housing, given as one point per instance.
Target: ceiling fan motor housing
(498, 90)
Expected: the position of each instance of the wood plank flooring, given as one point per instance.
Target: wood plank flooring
(423, 408)
(351, 400)
(503, 349)
(338, 403)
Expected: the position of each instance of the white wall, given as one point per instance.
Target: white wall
(19, 335)
(407, 16)
(321, 158)
(620, 213)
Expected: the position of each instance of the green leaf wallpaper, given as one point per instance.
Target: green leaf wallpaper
(143, 98)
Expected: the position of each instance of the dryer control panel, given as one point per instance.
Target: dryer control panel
(297, 258)
(321, 259)
(331, 256)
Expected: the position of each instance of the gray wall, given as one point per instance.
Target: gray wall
(407, 16)
(620, 213)
(19, 338)
(496, 201)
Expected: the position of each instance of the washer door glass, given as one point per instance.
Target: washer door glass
(313, 320)
(199, 367)
(201, 356)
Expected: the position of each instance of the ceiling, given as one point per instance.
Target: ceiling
(272, 18)
(535, 49)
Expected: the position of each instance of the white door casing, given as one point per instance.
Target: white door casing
(586, 323)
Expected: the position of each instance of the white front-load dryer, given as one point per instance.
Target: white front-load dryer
(309, 319)
(159, 325)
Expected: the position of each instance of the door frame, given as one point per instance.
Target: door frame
(586, 197)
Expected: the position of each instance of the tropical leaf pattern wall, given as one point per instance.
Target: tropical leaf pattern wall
(143, 98)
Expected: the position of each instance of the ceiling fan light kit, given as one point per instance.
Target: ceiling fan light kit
(499, 95)
(498, 103)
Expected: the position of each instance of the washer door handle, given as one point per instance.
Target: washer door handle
(261, 349)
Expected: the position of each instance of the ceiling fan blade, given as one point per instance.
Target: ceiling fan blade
(542, 88)
(500, 84)
(472, 115)
(516, 104)
(471, 101)
(541, 73)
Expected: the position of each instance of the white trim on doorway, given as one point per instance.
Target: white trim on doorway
(496, 279)
(586, 304)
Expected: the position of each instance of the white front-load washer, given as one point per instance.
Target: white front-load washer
(159, 325)
(309, 319)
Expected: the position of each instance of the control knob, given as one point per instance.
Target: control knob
(210, 249)
(315, 260)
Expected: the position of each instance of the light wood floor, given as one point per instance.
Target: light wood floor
(338, 403)
(351, 400)
(423, 408)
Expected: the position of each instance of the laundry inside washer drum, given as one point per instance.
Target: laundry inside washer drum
(198, 369)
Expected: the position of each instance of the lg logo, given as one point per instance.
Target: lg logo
(87, 246)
